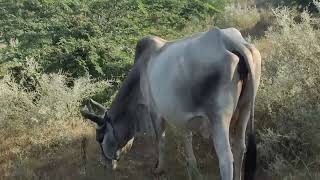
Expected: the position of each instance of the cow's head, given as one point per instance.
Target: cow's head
(110, 135)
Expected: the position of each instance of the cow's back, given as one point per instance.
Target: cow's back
(186, 74)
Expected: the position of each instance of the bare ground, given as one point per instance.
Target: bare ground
(79, 159)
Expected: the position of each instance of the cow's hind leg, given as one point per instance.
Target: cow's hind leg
(159, 169)
(238, 137)
(220, 135)
(192, 169)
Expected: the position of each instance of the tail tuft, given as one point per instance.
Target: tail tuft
(251, 158)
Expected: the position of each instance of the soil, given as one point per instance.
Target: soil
(79, 160)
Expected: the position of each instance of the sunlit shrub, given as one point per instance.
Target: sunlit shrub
(44, 118)
(51, 102)
(240, 16)
(288, 105)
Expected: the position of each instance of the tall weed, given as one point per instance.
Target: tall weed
(242, 16)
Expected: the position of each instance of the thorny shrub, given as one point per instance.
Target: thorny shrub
(288, 107)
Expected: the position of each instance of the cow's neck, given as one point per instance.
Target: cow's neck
(122, 112)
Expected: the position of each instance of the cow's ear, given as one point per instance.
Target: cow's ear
(91, 116)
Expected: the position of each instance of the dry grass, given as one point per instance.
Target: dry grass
(288, 100)
(36, 124)
(242, 17)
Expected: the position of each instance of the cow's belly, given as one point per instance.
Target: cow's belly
(170, 80)
(172, 101)
(169, 104)
(174, 73)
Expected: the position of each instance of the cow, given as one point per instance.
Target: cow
(206, 82)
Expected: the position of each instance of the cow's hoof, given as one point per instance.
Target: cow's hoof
(158, 171)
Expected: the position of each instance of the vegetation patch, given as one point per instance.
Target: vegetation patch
(288, 99)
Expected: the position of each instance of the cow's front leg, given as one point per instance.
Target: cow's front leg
(193, 172)
(159, 169)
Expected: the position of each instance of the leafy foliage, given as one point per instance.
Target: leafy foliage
(92, 37)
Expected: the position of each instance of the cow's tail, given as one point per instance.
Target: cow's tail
(253, 61)
(251, 153)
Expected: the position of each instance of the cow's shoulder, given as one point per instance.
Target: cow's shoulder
(146, 46)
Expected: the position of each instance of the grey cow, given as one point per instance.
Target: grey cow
(205, 82)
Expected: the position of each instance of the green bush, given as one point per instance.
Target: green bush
(92, 37)
(288, 100)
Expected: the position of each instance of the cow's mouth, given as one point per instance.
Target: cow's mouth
(109, 162)
(116, 157)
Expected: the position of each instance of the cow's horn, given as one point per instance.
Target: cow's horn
(99, 106)
(93, 117)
